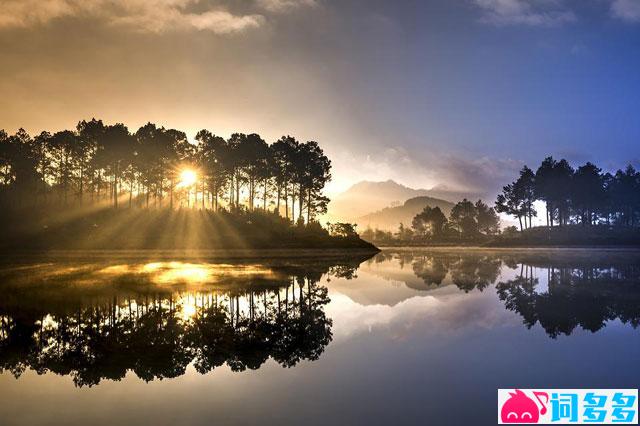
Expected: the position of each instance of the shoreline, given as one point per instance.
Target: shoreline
(219, 253)
(514, 248)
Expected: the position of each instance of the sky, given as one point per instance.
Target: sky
(450, 93)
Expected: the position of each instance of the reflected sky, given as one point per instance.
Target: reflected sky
(405, 337)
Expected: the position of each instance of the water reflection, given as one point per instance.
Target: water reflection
(559, 289)
(97, 319)
(94, 320)
(585, 296)
(467, 270)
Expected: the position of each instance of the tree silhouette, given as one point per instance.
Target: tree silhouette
(127, 323)
(430, 222)
(586, 195)
(69, 188)
(624, 191)
(463, 218)
(488, 220)
(544, 186)
(518, 197)
(212, 152)
(97, 159)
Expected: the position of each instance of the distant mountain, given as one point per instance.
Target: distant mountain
(446, 193)
(389, 218)
(366, 197)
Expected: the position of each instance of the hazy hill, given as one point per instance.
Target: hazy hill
(389, 218)
(366, 197)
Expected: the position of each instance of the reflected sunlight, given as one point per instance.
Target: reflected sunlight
(171, 272)
(190, 273)
(188, 308)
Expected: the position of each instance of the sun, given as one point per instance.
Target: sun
(187, 178)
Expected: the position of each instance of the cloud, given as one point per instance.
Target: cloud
(482, 175)
(627, 10)
(447, 175)
(162, 20)
(543, 13)
(139, 15)
(22, 13)
(451, 312)
(280, 6)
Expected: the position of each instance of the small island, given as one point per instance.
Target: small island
(101, 186)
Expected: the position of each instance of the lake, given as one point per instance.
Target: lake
(408, 336)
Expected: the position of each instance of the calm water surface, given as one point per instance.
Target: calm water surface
(409, 336)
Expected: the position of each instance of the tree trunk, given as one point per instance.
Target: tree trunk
(301, 199)
(215, 196)
(237, 192)
(278, 200)
(64, 182)
(115, 187)
(99, 186)
(252, 193)
(171, 193)
(286, 200)
(81, 184)
(293, 204)
(264, 199)
(231, 192)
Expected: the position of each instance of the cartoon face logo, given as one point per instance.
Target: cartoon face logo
(519, 408)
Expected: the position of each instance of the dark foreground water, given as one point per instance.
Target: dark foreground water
(406, 337)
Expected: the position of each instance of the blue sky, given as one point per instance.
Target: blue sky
(457, 93)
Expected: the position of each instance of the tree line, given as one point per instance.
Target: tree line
(467, 220)
(586, 195)
(103, 163)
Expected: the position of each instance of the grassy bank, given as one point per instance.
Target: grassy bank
(570, 236)
(565, 236)
(165, 229)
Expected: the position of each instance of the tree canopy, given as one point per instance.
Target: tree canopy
(585, 195)
(107, 164)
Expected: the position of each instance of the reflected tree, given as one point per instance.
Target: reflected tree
(587, 297)
(130, 324)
